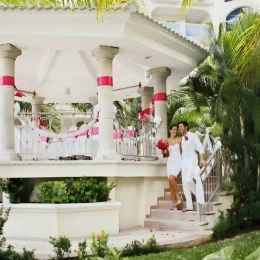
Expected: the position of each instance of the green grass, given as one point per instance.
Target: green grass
(244, 245)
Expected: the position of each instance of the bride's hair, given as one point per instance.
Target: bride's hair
(173, 125)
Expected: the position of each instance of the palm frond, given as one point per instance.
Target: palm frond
(186, 4)
(82, 107)
(249, 46)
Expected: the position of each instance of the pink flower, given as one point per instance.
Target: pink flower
(186, 138)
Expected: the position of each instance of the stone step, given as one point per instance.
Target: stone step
(174, 214)
(160, 223)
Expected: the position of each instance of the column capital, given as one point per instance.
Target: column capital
(160, 72)
(9, 51)
(37, 100)
(106, 52)
(145, 91)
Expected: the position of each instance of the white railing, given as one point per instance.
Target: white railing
(138, 138)
(214, 177)
(58, 136)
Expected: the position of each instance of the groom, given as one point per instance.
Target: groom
(190, 169)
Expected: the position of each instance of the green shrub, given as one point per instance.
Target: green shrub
(87, 190)
(137, 248)
(238, 217)
(17, 189)
(98, 249)
(54, 192)
(75, 190)
(62, 247)
(10, 254)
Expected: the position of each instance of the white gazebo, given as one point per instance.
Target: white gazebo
(65, 56)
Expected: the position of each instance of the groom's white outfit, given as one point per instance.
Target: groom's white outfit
(190, 169)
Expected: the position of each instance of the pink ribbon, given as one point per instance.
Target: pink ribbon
(95, 131)
(131, 133)
(7, 81)
(146, 111)
(44, 139)
(105, 81)
(160, 97)
(19, 94)
(152, 100)
(118, 135)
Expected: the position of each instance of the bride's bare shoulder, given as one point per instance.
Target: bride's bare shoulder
(179, 140)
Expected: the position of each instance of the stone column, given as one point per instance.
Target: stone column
(104, 56)
(8, 55)
(146, 94)
(36, 105)
(159, 77)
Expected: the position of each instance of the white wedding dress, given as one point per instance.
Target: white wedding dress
(174, 160)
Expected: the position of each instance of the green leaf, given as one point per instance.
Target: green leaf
(255, 255)
(223, 254)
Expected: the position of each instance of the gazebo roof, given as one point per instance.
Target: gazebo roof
(57, 43)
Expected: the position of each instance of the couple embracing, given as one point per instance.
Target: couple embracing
(182, 156)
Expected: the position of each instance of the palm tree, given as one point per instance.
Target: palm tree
(233, 100)
(101, 6)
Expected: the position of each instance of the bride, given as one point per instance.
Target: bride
(174, 165)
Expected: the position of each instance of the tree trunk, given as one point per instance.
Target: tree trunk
(242, 128)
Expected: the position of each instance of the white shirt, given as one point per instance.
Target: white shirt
(190, 145)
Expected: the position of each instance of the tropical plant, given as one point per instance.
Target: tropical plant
(47, 116)
(82, 107)
(216, 92)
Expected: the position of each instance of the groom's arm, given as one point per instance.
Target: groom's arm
(200, 149)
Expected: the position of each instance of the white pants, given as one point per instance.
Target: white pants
(190, 170)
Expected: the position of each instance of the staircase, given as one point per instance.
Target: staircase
(161, 217)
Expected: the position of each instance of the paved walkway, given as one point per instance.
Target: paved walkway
(173, 238)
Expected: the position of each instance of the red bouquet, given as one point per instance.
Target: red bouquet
(162, 144)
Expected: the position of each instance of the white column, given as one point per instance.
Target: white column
(159, 77)
(8, 55)
(146, 94)
(36, 105)
(105, 56)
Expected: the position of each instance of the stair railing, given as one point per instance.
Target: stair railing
(211, 176)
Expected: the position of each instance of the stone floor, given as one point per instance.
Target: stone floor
(172, 238)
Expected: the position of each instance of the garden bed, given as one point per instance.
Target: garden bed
(33, 220)
(244, 245)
